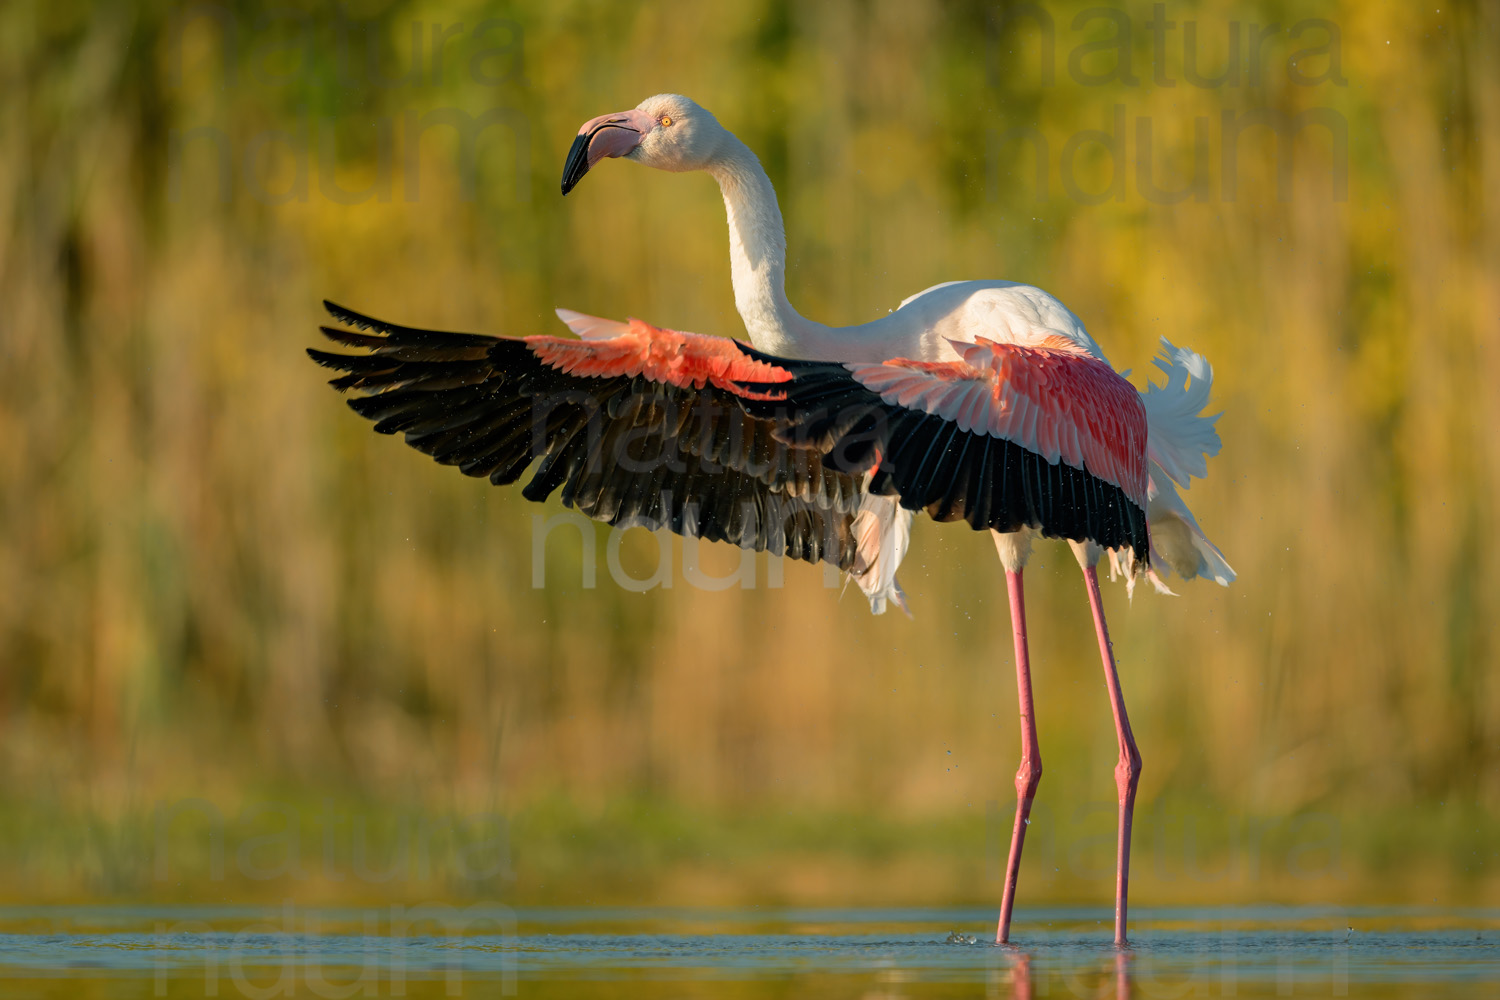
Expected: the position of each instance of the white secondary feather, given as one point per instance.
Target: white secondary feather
(882, 532)
(592, 327)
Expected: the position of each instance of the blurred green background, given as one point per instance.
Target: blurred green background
(253, 651)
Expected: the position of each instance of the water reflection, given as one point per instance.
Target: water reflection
(1020, 977)
(1023, 983)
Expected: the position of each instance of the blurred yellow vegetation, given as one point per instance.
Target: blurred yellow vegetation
(220, 584)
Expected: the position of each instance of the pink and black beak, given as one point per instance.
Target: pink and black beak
(607, 135)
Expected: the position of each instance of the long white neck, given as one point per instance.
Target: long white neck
(757, 255)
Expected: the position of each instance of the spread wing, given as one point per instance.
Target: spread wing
(645, 427)
(1009, 437)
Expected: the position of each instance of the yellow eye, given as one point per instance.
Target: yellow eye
(666, 119)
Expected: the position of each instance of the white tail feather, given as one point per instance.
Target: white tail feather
(1179, 438)
(1179, 442)
(1177, 543)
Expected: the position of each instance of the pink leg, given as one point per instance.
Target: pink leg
(1030, 773)
(1128, 770)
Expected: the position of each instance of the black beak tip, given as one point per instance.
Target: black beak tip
(577, 164)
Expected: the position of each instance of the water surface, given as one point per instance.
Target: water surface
(490, 949)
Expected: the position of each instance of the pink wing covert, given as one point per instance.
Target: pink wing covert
(685, 360)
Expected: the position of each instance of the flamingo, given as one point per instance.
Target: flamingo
(946, 332)
(638, 425)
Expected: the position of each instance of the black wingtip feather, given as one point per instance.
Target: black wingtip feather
(351, 362)
(351, 339)
(349, 317)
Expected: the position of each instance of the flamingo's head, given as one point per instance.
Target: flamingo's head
(668, 131)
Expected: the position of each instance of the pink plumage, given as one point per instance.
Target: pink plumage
(685, 360)
(1057, 401)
